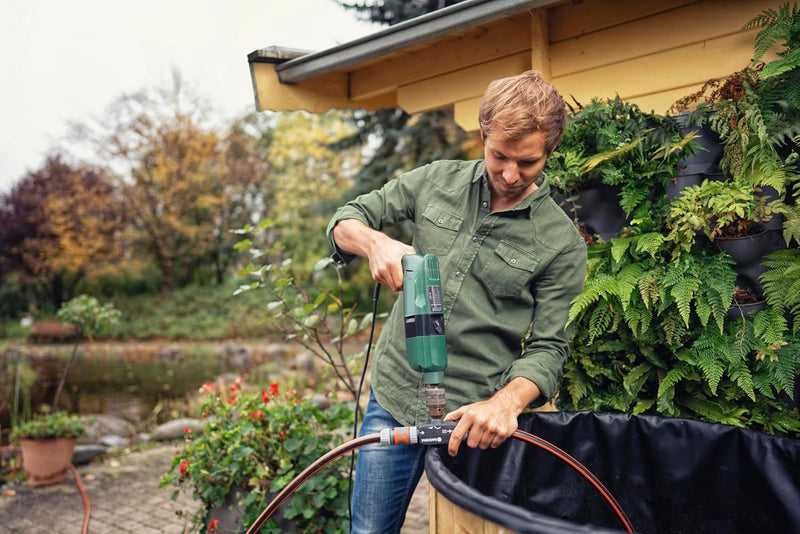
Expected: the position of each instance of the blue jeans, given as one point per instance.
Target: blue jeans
(386, 477)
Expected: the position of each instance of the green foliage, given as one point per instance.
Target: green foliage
(718, 209)
(782, 26)
(613, 142)
(313, 315)
(781, 283)
(653, 335)
(89, 315)
(257, 442)
(50, 425)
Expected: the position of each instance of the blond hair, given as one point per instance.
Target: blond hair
(518, 105)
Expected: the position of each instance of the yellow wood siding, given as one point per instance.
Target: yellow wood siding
(650, 53)
(504, 38)
(652, 59)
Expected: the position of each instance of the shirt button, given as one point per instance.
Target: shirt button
(474, 239)
(513, 261)
(441, 221)
(485, 204)
(458, 274)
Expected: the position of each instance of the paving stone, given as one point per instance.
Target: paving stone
(125, 498)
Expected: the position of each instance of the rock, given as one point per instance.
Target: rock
(303, 362)
(176, 429)
(277, 351)
(141, 438)
(83, 454)
(113, 443)
(235, 356)
(169, 354)
(99, 425)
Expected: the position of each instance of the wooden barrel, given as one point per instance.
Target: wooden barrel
(449, 518)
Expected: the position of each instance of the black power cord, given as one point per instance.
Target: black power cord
(375, 294)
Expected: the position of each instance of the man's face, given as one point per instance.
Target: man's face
(513, 166)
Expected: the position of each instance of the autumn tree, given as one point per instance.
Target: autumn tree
(57, 225)
(184, 184)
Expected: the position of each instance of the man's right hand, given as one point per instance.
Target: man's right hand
(384, 254)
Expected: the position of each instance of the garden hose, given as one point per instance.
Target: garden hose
(430, 434)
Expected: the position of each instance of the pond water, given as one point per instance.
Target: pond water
(138, 381)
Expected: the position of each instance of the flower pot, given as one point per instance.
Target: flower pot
(46, 460)
(681, 182)
(598, 208)
(748, 253)
(707, 156)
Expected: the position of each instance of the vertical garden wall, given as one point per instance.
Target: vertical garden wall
(692, 302)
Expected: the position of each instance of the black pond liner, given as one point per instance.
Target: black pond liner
(670, 475)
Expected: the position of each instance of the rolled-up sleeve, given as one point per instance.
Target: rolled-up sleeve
(393, 203)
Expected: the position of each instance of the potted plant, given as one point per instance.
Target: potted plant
(653, 335)
(614, 163)
(47, 442)
(729, 213)
(252, 445)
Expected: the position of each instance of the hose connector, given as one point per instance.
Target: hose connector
(432, 433)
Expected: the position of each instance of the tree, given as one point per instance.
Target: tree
(57, 225)
(403, 142)
(307, 177)
(183, 183)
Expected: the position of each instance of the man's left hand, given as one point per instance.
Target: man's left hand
(490, 422)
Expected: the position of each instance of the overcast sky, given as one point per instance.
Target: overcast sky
(67, 60)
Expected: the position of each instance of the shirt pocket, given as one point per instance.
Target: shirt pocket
(437, 231)
(508, 270)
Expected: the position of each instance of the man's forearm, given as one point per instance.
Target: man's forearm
(383, 252)
(517, 395)
(355, 237)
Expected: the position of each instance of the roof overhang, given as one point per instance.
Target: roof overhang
(295, 66)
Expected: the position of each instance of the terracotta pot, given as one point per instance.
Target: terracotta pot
(46, 460)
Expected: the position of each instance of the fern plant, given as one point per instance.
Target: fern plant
(781, 283)
(780, 26)
(613, 142)
(717, 209)
(653, 335)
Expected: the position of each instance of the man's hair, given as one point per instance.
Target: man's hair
(516, 106)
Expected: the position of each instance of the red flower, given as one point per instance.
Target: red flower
(232, 399)
(264, 397)
(258, 414)
(187, 430)
(208, 387)
(273, 389)
(212, 527)
(281, 435)
(184, 466)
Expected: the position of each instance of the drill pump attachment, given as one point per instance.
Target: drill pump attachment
(426, 350)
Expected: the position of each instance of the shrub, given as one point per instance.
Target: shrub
(258, 442)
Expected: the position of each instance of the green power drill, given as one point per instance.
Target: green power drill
(424, 321)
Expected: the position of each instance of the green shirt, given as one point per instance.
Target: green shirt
(503, 275)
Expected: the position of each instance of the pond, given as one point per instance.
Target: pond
(137, 381)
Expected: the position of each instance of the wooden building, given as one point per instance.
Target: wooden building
(650, 53)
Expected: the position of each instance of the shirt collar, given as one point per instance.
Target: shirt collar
(542, 184)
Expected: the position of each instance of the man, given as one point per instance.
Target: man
(511, 261)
